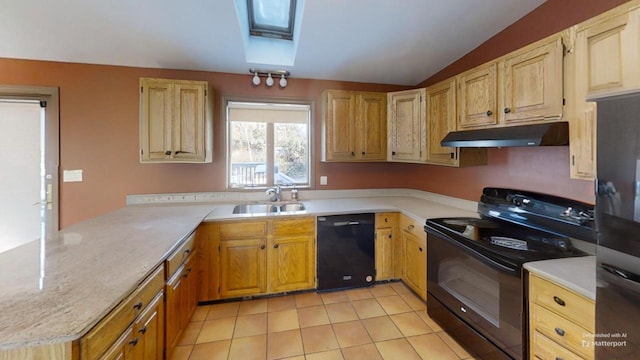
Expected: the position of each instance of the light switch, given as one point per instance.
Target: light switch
(72, 175)
(323, 180)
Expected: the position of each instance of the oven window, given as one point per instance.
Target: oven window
(473, 284)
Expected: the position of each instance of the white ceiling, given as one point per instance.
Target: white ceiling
(376, 41)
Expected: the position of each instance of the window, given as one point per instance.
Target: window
(271, 18)
(268, 144)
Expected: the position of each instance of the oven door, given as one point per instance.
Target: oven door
(471, 294)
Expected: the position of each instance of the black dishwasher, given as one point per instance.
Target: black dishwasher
(346, 251)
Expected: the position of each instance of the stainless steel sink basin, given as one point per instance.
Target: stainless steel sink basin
(297, 206)
(255, 208)
(266, 208)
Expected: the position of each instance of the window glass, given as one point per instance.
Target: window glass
(271, 18)
(268, 144)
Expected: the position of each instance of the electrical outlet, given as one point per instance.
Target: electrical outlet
(323, 180)
(72, 176)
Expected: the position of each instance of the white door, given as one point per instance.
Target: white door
(29, 165)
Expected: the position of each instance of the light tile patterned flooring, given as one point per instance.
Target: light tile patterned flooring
(386, 321)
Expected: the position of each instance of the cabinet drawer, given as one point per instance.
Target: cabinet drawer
(545, 349)
(386, 220)
(564, 302)
(180, 255)
(110, 328)
(243, 229)
(294, 226)
(412, 227)
(561, 331)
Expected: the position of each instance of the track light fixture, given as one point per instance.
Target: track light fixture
(257, 73)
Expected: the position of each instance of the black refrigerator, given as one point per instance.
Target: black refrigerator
(618, 229)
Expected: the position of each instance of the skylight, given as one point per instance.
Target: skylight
(271, 18)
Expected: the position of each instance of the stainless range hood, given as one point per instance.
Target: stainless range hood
(549, 134)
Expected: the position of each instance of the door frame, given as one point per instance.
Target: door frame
(49, 94)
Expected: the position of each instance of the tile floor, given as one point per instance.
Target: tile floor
(386, 321)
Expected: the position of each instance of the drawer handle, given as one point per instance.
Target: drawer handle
(138, 306)
(133, 342)
(410, 227)
(143, 330)
(559, 358)
(559, 301)
(559, 331)
(188, 251)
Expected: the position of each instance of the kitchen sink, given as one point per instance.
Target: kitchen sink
(265, 208)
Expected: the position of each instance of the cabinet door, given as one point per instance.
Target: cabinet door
(477, 97)
(384, 253)
(415, 269)
(242, 267)
(608, 51)
(156, 114)
(122, 349)
(339, 126)
(189, 295)
(371, 126)
(188, 126)
(292, 263)
(533, 83)
(149, 331)
(207, 242)
(441, 119)
(173, 291)
(406, 132)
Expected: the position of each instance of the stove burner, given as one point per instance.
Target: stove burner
(509, 243)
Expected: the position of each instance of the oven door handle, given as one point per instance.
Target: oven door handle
(473, 252)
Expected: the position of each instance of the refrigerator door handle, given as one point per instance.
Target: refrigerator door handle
(631, 277)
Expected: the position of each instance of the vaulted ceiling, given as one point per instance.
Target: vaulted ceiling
(376, 41)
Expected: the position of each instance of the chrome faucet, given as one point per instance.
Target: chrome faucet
(274, 193)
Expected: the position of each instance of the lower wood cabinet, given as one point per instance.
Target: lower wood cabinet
(181, 293)
(246, 258)
(134, 329)
(561, 322)
(414, 244)
(385, 244)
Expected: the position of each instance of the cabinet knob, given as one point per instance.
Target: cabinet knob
(138, 306)
(507, 110)
(262, 247)
(393, 153)
(389, 236)
(187, 251)
(276, 246)
(363, 153)
(143, 330)
(168, 152)
(353, 153)
(420, 248)
(559, 301)
(489, 112)
(559, 331)
(410, 227)
(133, 342)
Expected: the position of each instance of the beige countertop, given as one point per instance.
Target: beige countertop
(576, 274)
(57, 290)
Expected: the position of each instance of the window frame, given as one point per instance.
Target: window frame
(271, 31)
(265, 100)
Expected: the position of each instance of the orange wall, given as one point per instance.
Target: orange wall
(99, 129)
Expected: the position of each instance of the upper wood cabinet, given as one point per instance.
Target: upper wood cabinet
(532, 82)
(477, 97)
(355, 126)
(603, 60)
(175, 121)
(441, 119)
(406, 126)
(525, 86)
